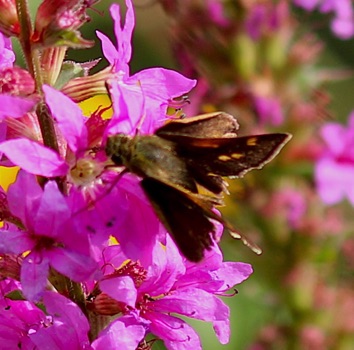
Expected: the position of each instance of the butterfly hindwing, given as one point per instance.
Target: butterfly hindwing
(185, 220)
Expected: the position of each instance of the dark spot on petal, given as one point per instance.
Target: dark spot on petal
(90, 229)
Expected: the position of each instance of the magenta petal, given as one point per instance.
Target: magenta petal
(34, 157)
(163, 84)
(175, 333)
(7, 56)
(76, 266)
(67, 312)
(130, 332)
(308, 5)
(15, 242)
(128, 106)
(334, 180)
(232, 273)
(198, 304)
(194, 303)
(121, 289)
(222, 330)
(334, 135)
(69, 118)
(343, 27)
(110, 52)
(13, 106)
(23, 197)
(141, 226)
(123, 35)
(52, 212)
(167, 267)
(34, 274)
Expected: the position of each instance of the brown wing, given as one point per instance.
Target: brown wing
(185, 220)
(237, 156)
(212, 125)
(186, 216)
(232, 157)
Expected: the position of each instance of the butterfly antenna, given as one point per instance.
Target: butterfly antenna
(248, 243)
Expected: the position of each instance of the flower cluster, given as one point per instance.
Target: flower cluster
(65, 281)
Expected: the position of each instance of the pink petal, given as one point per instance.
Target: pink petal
(76, 266)
(128, 106)
(34, 272)
(232, 273)
(163, 84)
(121, 289)
(334, 135)
(198, 304)
(7, 56)
(15, 242)
(109, 50)
(66, 311)
(130, 334)
(52, 212)
(334, 181)
(69, 118)
(23, 198)
(140, 227)
(166, 268)
(123, 34)
(175, 333)
(14, 106)
(34, 157)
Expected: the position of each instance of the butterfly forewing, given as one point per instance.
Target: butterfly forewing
(234, 156)
(212, 126)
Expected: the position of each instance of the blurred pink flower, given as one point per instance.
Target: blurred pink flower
(343, 22)
(334, 169)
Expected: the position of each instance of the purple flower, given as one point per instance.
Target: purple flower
(217, 13)
(23, 325)
(49, 235)
(156, 86)
(334, 169)
(124, 333)
(115, 210)
(269, 110)
(40, 160)
(264, 18)
(68, 328)
(7, 56)
(343, 21)
(172, 285)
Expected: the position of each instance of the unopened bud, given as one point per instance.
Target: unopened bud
(9, 24)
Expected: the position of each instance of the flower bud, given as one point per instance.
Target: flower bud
(9, 24)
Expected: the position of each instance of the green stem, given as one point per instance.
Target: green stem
(34, 66)
(26, 31)
(32, 55)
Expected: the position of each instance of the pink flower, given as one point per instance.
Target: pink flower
(334, 169)
(49, 234)
(24, 325)
(269, 110)
(7, 56)
(343, 21)
(168, 287)
(156, 86)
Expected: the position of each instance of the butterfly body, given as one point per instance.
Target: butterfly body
(184, 155)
